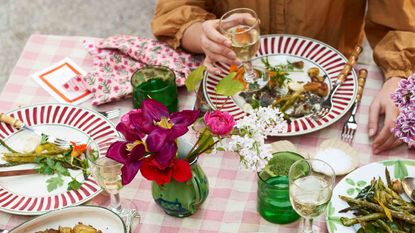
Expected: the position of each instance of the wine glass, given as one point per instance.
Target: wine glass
(311, 184)
(241, 26)
(107, 173)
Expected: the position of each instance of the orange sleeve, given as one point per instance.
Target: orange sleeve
(173, 17)
(390, 29)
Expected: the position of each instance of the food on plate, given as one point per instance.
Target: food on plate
(293, 98)
(51, 160)
(378, 208)
(79, 228)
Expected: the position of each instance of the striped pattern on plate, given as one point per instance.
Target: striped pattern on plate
(321, 55)
(74, 119)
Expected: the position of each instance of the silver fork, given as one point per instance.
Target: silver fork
(111, 114)
(328, 103)
(16, 123)
(349, 128)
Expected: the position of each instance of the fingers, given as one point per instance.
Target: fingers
(386, 139)
(397, 142)
(210, 29)
(213, 50)
(216, 47)
(384, 144)
(210, 67)
(374, 112)
(239, 19)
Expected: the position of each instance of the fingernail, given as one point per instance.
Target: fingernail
(227, 43)
(231, 54)
(371, 132)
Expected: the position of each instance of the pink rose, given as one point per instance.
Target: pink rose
(220, 123)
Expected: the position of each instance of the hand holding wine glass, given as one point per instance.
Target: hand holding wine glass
(311, 184)
(241, 26)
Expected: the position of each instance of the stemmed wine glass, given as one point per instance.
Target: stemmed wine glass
(311, 184)
(107, 173)
(241, 26)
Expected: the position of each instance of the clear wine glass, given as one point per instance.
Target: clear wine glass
(241, 26)
(311, 184)
(107, 173)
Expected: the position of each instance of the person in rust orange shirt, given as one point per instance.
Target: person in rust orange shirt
(389, 26)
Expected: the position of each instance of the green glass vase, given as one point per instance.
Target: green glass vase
(182, 199)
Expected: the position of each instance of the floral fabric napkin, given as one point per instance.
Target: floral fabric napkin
(116, 58)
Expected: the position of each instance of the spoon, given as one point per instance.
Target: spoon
(408, 185)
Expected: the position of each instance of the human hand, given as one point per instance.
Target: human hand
(384, 139)
(216, 46)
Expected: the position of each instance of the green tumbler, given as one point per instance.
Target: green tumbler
(273, 198)
(155, 82)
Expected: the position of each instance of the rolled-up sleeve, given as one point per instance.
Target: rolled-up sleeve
(390, 29)
(173, 17)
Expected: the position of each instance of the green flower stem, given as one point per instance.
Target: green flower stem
(193, 150)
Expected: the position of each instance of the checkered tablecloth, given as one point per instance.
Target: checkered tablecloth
(231, 204)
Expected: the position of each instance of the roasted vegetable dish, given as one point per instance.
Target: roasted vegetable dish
(379, 208)
(293, 98)
(51, 160)
(79, 228)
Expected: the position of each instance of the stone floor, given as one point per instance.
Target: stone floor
(20, 19)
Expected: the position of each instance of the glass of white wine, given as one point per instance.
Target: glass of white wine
(241, 26)
(107, 173)
(311, 184)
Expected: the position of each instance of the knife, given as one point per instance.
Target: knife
(18, 172)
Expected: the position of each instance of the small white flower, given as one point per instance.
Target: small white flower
(253, 130)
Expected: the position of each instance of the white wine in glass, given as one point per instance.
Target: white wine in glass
(241, 26)
(311, 184)
(107, 173)
(245, 42)
(310, 196)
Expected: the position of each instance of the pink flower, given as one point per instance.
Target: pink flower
(220, 123)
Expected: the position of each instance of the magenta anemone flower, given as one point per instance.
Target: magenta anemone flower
(130, 132)
(130, 155)
(162, 128)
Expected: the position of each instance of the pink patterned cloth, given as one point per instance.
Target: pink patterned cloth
(118, 57)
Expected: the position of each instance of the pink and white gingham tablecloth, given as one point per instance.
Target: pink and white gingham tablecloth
(231, 204)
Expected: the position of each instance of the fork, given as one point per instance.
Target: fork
(16, 123)
(349, 128)
(328, 103)
(111, 113)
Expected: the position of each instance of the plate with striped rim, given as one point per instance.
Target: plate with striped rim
(27, 194)
(280, 49)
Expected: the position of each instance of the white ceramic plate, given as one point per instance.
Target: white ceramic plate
(351, 184)
(28, 195)
(280, 49)
(98, 217)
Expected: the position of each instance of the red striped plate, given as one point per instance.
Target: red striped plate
(279, 49)
(28, 195)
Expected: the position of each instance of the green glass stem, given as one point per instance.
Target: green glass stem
(182, 199)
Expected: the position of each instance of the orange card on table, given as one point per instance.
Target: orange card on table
(53, 78)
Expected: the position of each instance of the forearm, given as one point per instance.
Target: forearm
(191, 38)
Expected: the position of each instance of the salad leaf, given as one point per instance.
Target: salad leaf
(54, 183)
(229, 86)
(194, 78)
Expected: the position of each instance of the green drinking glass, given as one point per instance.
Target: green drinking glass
(155, 82)
(273, 199)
